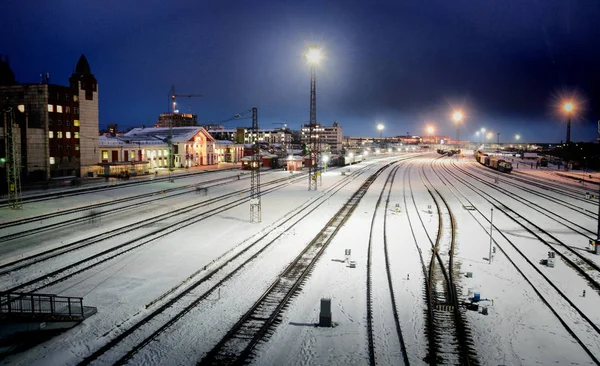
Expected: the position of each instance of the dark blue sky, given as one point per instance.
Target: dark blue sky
(404, 63)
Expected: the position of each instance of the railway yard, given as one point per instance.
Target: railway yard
(452, 263)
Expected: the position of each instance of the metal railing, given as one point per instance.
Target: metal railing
(40, 304)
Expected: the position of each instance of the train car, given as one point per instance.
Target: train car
(493, 162)
(504, 166)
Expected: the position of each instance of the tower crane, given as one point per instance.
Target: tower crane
(173, 96)
(173, 103)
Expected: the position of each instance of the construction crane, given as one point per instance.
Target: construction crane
(173, 103)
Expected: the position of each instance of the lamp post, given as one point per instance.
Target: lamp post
(517, 137)
(457, 116)
(482, 134)
(568, 107)
(313, 57)
(380, 127)
(430, 131)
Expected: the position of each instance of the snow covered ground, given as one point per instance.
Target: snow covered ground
(528, 321)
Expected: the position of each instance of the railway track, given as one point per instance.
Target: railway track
(137, 336)
(584, 331)
(571, 206)
(370, 298)
(60, 274)
(25, 262)
(101, 188)
(236, 346)
(70, 216)
(452, 339)
(566, 252)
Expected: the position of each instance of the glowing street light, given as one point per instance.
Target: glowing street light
(517, 137)
(457, 116)
(313, 56)
(380, 127)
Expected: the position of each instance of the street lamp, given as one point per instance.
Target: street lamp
(568, 108)
(482, 134)
(457, 116)
(517, 137)
(380, 128)
(313, 57)
(430, 131)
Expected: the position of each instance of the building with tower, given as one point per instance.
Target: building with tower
(85, 92)
(58, 132)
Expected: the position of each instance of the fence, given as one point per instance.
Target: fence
(40, 304)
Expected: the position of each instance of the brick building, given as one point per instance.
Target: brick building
(58, 134)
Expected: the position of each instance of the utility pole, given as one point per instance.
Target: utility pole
(491, 228)
(313, 132)
(13, 166)
(255, 207)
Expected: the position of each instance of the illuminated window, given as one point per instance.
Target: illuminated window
(51, 134)
(76, 123)
(75, 98)
(59, 134)
(51, 160)
(104, 154)
(59, 108)
(21, 108)
(68, 134)
(166, 152)
(77, 147)
(159, 152)
(50, 108)
(76, 134)
(132, 155)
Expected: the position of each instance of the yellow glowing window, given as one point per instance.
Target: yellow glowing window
(52, 160)
(59, 108)
(104, 154)
(21, 108)
(50, 108)
(51, 134)
(68, 134)
(59, 134)
(76, 134)
(76, 123)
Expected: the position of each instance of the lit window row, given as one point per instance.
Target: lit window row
(59, 109)
(59, 134)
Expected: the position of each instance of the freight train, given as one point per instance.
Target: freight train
(493, 162)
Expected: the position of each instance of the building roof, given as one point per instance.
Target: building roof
(179, 134)
(83, 67)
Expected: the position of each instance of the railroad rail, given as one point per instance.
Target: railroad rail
(371, 343)
(237, 345)
(245, 256)
(539, 282)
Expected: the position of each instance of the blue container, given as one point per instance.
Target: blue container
(476, 297)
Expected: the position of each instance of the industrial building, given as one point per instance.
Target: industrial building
(279, 136)
(177, 120)
(329, 137)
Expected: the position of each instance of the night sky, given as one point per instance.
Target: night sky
(405, 64)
